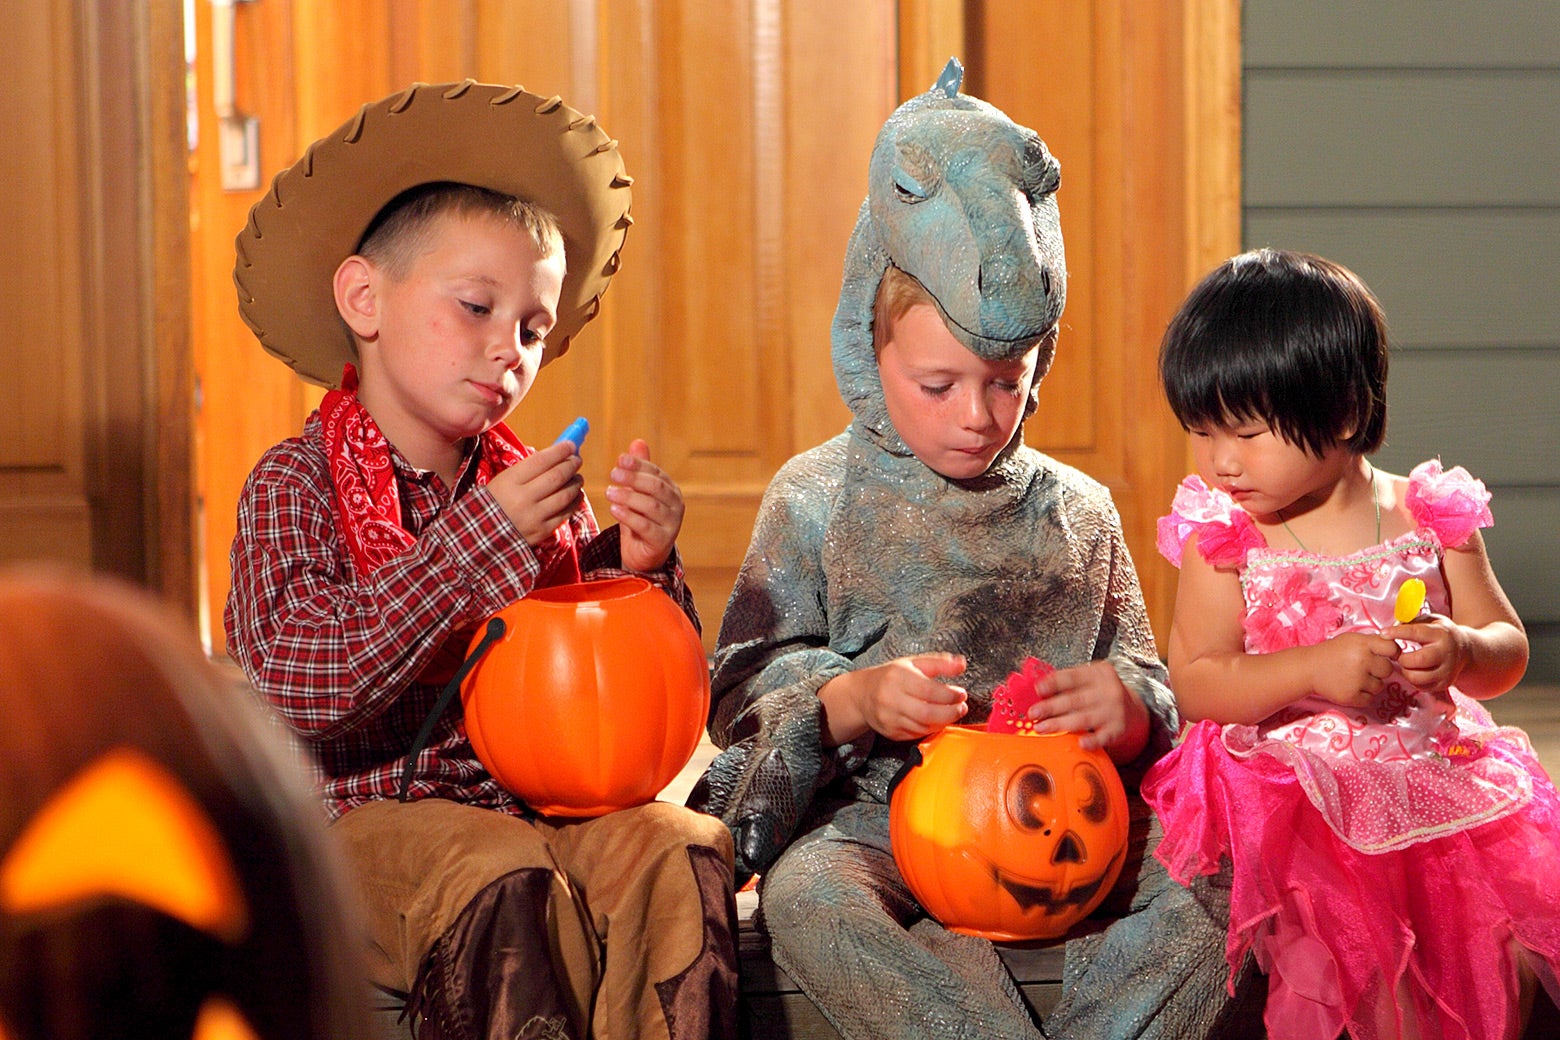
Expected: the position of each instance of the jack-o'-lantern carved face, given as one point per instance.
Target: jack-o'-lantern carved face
(161, 869)
(1009, 835)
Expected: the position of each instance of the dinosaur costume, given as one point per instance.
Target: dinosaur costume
(863, 554)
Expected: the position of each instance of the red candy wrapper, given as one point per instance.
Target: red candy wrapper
(1010, 701)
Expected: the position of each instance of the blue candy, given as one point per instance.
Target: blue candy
(575, 433)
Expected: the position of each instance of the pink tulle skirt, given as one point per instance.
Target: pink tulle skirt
(1427, 933)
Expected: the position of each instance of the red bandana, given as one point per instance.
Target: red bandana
(369, 501)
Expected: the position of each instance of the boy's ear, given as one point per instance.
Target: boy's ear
(355, 287)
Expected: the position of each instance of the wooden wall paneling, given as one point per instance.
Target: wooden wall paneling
(44, 510)
(930, 32)
(551, 48)
(432, 41)
(822, 82)
(91, 452)
(246, 399)
(171, 494)
(347, 53)
(839, 74)
(116, 424)
(1138, 103)
(1063, 91)
(713, 360)
(1214, 121)
(537, 43)
(611, 373)
(1210, 219)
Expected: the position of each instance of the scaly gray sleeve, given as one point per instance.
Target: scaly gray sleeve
(772, 656)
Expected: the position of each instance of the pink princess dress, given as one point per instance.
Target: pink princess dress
(1380, 856)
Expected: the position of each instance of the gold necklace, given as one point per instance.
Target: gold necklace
(1375, 499)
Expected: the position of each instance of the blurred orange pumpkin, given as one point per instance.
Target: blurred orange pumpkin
(1009, 836)
(594, 698)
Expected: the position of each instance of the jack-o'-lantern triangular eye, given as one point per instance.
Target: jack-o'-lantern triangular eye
(125, 827)
(220, 1020)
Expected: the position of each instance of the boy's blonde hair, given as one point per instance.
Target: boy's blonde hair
(896, 294)
(398, 233)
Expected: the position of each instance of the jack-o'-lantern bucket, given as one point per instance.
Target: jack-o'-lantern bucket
(1009, 836)
(593, 698)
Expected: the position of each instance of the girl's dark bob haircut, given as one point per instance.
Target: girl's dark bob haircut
(1284, 338)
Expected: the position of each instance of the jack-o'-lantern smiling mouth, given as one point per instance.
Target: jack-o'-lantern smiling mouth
(1029, 894)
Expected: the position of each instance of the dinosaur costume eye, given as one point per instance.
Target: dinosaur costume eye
(916, 174)
(1042, 173)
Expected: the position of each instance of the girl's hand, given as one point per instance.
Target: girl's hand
(899, 700)
(1091, 700)
(540, 491)
(1349, 669)
(648, 506)
(1445, 649)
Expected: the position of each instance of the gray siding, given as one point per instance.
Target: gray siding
(1419, 143)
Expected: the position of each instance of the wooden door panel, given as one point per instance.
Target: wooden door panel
(44, 507)
(93, 440)
(1140, 104)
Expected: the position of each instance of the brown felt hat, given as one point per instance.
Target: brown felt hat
(495, 137)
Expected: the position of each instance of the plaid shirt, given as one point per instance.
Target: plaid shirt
(338, 654)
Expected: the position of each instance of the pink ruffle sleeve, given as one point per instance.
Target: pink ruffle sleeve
(1452, 503)
(1224, 530)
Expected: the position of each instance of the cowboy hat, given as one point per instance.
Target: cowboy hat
(495, 137)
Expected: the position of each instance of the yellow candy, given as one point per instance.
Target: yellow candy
(1410, 601)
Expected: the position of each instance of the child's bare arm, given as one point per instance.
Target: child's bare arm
(899, 700)
(1482, 647)
(540, 491)
(1214, 678)
(648, 506)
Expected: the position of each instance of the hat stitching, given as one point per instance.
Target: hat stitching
(282, 196)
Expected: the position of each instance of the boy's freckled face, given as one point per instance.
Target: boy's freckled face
(953, 409)
(460, 336)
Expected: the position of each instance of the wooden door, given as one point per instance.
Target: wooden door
(94, 436)
(747, 126)
(1141, 104)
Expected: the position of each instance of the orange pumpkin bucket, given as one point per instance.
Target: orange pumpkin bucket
(593, 698)
(1009, 836)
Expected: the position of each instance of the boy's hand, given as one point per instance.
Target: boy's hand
(1351, 668)
(648, 506)
(900, 700)
(540, 491)
(1443, 651)
(1091, 700)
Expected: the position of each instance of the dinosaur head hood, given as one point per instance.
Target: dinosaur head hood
(963, 199)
